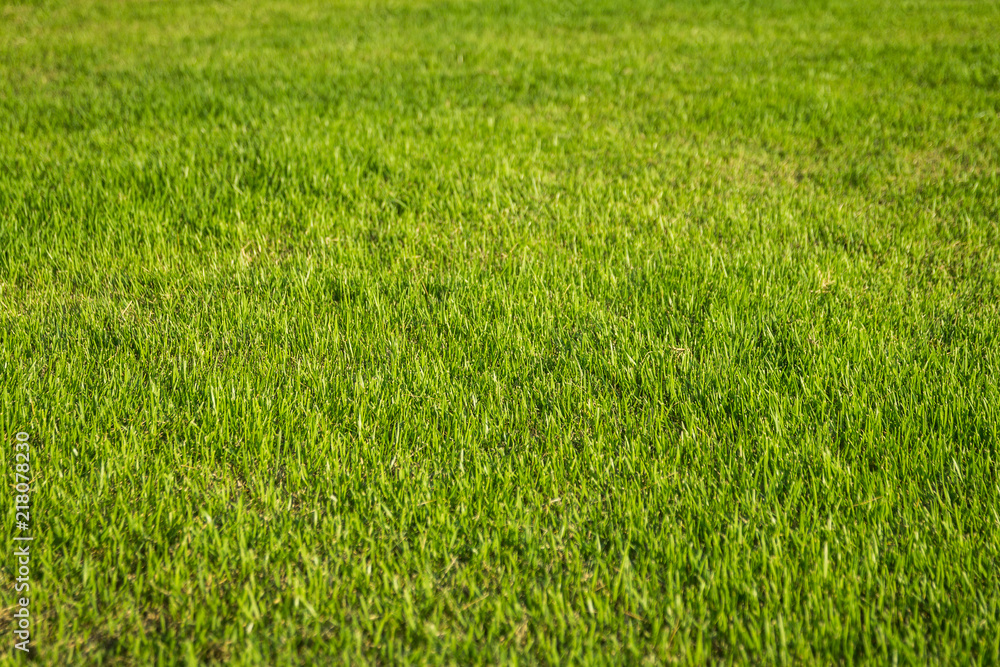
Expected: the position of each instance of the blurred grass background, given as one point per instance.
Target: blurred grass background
(436, 332)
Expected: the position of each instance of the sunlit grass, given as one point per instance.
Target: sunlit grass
(478, 332)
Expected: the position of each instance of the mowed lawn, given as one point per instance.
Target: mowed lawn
(512, 331)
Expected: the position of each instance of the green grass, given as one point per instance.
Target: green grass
(535, 332)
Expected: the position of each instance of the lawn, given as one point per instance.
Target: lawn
(519, 331)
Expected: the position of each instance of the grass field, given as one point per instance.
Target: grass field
(477, 332)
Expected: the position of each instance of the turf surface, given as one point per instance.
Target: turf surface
(434, 332)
